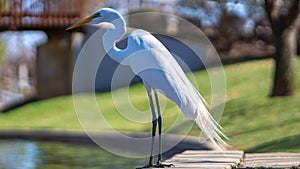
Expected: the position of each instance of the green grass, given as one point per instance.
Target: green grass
(253, 121)
(56, 113)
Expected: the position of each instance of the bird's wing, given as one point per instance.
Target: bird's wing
(151, 60)
(158, 68)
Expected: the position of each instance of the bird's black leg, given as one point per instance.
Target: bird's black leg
(154, 124)
(159, 163)
(159, 120)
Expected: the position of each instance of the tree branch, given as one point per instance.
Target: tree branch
(273, 15)
(293, 12)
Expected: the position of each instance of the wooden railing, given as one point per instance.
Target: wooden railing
(39, 14)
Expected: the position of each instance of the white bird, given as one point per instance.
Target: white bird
(153, 63)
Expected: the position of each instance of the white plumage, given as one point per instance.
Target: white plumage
(154, 64)
(149, 59)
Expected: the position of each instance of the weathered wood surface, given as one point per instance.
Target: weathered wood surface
(228, 159)
(271, 160)
(206, 159)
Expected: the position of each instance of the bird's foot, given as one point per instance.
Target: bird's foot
(157, 165)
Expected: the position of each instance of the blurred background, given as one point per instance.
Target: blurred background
(256, 40)
(35, 49)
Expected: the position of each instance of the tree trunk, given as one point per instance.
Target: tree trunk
(284, 81)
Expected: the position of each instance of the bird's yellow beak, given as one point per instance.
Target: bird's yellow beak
(81, 22)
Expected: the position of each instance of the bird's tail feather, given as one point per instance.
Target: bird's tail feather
(211, 128)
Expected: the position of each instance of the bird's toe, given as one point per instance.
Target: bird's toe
(161, 165)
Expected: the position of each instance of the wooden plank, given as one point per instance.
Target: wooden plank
(206, 159)
(250, 155)
(238, 152)
(227, 159)
(274, 160)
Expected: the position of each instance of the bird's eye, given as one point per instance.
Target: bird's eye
(97, 15)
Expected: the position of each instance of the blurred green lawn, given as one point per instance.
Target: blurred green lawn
(253, 121)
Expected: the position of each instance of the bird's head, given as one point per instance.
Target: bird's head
(101, 15)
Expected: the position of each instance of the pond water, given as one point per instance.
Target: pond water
(22, 154)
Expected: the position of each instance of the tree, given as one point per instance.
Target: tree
(272, 22)
(284, 17)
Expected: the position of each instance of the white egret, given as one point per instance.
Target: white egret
(159, 71)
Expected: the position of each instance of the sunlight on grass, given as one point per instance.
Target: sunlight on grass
(252, 118)
(254, 121)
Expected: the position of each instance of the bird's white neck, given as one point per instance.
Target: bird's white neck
(111, 36)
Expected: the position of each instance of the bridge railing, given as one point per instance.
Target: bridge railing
(38, 14)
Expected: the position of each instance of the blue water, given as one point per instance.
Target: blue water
(21, 154)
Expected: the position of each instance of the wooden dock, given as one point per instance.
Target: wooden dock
(272, 160)
(233, 159)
